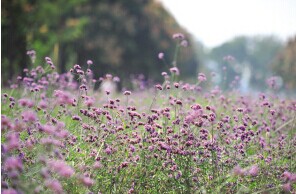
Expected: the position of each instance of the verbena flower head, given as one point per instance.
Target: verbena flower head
(89, 62)
(287, 187)
(76, 118)
(49, 62)
(13, 163)
(89, 101)
(127, 93)
(49, 129)
(109, 76)
(158, 86)
(116, 79)
(29, 116)
(13, 141)
(26, 103)
(161, 55)
(9, 191)
(108, 151)
(184, 43)
(175, 70)
(202, 77)
(54, 185)
(50, 141)
(61, 168)
(273, 82)
(238, 171)
(5, 122)
(63, 97)
(32, 55)
(254, 170)
(43, 104)
(87, 181)
(179, 36)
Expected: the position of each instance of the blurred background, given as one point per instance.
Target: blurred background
(233, 42)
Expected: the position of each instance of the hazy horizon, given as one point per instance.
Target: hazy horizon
(215, 22)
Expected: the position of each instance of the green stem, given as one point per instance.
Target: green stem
(176, 55)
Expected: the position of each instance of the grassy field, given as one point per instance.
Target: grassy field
(61, 136)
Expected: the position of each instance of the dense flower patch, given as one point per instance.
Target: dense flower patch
(59, 135)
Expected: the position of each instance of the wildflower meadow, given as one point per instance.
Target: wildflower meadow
(63, 133)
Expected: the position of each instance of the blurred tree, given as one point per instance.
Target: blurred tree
(285, 65)
(121, 37)
(55, 25)
(45, 26)
(124, 37)
(14, 28)
(255, 52)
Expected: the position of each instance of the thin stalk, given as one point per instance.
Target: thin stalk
(176, 55)
(126, 105)
(153, 100)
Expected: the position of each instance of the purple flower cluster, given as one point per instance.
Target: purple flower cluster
(62, 136)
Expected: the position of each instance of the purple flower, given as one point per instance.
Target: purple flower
(54, 185)
(164, 146)
(184, 43)
(287, 176)
(132, 148)
(238, 171)
(76, 118)
(202, 77)
(9, 191)
(287, 187)
(50, 141)
(89, 62)
(176, 85)
(178, 175)
(127, 93)
(61, 168)
(89, 102)
(175, 70)
(63, 97)
(32, 55)
(13, 163)
(13, 141)
(124, 164)
(161, 55)
(49, 62)
(49, 129)
(158, 86)
(29, 116)
(97, 165)
(47, 59)
(273, 82)
(5, 122)
(108, 151)
(178, 36)
(116, 79)
(151, 148)
(108, 76)
(253, 171)
(87, 181)
(43, 104)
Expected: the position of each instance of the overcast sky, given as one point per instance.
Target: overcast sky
(216, 21)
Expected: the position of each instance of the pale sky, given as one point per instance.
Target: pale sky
(215, 21)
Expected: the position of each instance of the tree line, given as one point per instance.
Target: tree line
(120, 37)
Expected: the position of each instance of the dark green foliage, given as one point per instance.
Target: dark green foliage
(121, 37)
